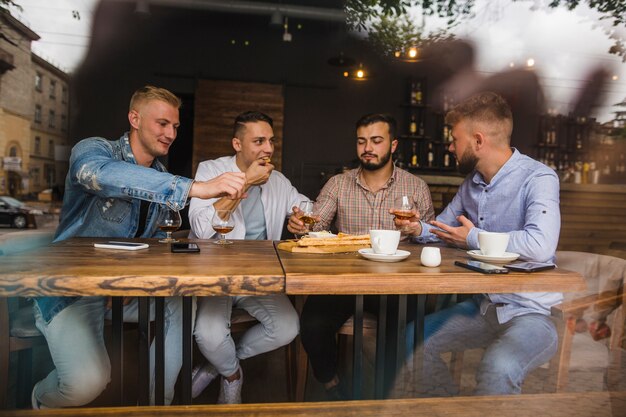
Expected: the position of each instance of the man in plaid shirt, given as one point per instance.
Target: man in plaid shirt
(356, 201)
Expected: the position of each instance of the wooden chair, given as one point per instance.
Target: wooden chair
(17, 334)
(604, 300)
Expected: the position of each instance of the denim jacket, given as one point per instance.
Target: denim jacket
(103, 192)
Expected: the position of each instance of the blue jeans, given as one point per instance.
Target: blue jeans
(278, 325)
(76, 343)
(513, 349)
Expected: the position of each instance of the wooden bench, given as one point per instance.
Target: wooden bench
(591, 404)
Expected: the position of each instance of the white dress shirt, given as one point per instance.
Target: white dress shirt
(277, 194)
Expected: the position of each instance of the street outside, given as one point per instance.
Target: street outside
(47, 221)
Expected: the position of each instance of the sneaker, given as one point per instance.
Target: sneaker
(34, 402)
(230, 392)
(201, 377)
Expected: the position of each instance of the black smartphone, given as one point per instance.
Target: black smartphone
(185, 248)
(483, 267)
(530, 266)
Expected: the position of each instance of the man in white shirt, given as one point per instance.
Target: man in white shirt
(260, 216)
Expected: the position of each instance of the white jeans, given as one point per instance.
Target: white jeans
(278, 325)
(76, 343)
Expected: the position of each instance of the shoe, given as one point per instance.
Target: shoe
(201, 377)
(230, 392)
(337, 393)
(34, 402)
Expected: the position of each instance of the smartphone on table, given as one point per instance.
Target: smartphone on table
(483, 267)
(121, 245)
(530, 266)
(182, 247)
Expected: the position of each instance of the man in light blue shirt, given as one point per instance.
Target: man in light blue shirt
(504, 191)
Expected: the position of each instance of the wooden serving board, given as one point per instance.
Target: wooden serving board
(292, 246)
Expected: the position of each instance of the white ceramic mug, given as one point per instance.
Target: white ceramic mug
(385, 242)
(430, 256)
(493, 243)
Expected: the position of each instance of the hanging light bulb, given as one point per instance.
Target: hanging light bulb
(360, 74)
(412, 52)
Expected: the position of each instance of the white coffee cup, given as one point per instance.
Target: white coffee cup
(430, 256)
(385, 242)
(493, 243)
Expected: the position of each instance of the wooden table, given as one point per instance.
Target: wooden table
(349, 273)
(75, 268)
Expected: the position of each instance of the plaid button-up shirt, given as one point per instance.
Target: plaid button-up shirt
(356, 210)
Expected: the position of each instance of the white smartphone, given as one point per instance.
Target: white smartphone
(121, 245)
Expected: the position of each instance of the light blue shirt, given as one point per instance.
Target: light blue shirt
(523, 200)
(254, 215)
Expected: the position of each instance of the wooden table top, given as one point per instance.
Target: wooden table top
(349, 273)
(75, 267)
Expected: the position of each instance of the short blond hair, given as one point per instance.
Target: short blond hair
(150, 92)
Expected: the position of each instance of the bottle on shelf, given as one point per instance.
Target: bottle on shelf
(400, 160)
(446, 160)
(551, 162)
(431, 155)
(420, 131)
(412, 97)
(414, 162)
(585, 173)
(445, 137)
(418, 93)
(413, 125)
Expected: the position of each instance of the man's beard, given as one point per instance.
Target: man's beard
(372, 166)
(467, 162)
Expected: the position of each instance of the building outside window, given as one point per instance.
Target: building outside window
(38, 81)
(34, 176)
(51, 121)
(37, 149)
(50, 175)
(51, 148)
(64, 94)
(37, 113)
(53, 88)
(63, 123)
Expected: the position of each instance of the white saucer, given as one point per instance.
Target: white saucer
(368, 253)
(506, 256)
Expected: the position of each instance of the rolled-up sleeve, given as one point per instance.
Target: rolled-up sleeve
(539, 238)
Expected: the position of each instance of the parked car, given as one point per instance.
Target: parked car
(15, 213)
